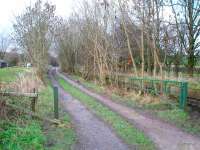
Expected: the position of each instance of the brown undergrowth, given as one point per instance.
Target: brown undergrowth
(26, 83)
(132, 95)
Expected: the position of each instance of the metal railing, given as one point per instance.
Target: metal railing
(157, 87)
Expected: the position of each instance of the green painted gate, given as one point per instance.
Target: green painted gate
(157, 87)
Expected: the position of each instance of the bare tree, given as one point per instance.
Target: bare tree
(90, 41)
(33, 32)
(66, 44)
(127, 37)
(186, 13)
(4, 44)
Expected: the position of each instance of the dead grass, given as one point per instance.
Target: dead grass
(4, 86)
(133, 95)
(26, 83)
(23, 82)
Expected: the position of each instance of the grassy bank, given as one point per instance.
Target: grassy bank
(165, 110)
(20, 131)
(57, 137)
(10, 74)
(126, 131)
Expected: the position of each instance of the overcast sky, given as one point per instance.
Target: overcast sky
(11, 8)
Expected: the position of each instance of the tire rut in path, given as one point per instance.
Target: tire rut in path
(165, 136)
(93, 134)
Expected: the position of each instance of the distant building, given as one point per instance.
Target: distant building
(28, 65)
(3, 64)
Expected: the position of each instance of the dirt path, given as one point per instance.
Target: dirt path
(93, 134)
(165, 136)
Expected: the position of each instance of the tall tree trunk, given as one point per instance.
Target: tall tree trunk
(128, 40)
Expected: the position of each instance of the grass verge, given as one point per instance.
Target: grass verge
(130, 134)
(57, 137)
(181, 119)
(20, 131)
(165, 110)
(24, 132)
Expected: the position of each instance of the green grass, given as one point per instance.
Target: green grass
(15, 137)
(174, 115)
(57, 138)
(60, 138)
(130, 134)
(165, 110)
(24, 132)
(181, 119)
(21, 132)
(10, 74)
(194, 86)
(89, 84)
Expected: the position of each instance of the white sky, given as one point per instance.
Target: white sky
(11, 8)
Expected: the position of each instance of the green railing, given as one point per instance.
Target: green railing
(157, 87)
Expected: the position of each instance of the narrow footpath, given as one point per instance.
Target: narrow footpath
(92, 133)
(165, 136)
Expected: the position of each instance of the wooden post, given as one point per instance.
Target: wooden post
(55, 91)
(33, 101)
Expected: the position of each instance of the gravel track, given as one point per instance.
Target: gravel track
(92, 133)
(164, 135)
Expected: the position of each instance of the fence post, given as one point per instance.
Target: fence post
(165, 87)
(55, 91)
(183, 95)
(33, 101)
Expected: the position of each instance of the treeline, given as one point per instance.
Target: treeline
(101, 37)
(94, 38)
